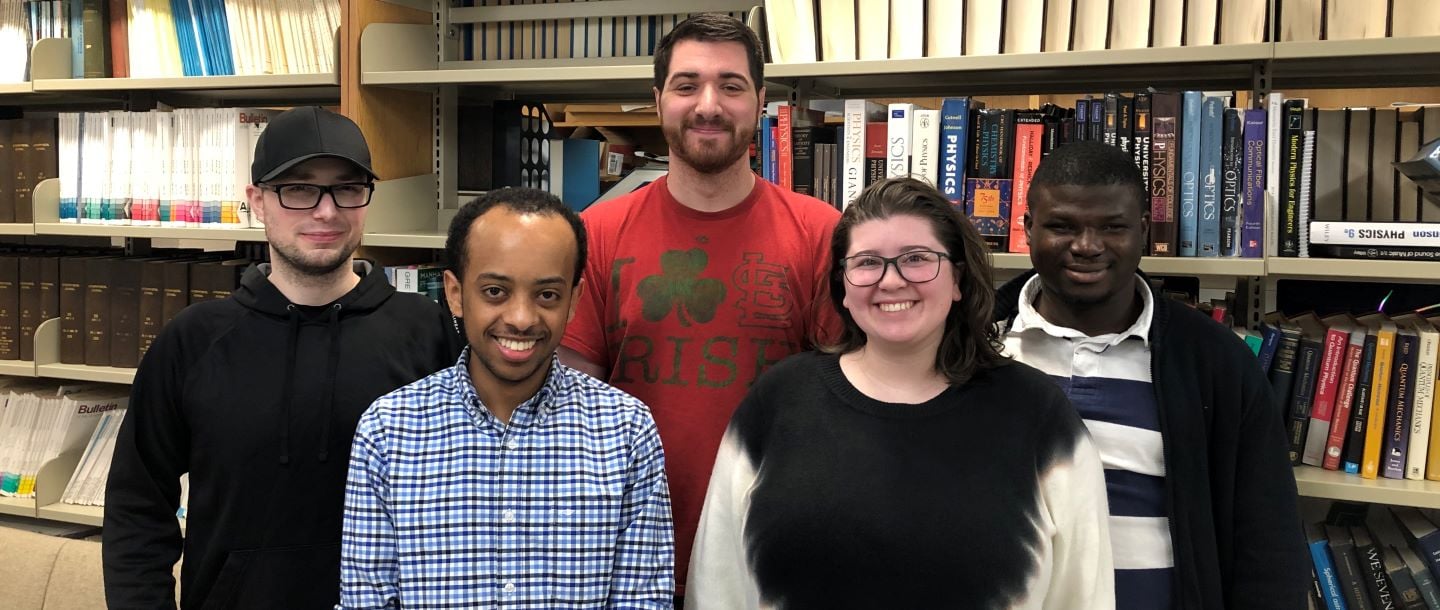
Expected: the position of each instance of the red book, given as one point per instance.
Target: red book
(1345, 394)
(1029, 140)
(119, 39)
(1336, 340)
(785, 156)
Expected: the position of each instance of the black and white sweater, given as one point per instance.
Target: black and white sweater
(989, 495)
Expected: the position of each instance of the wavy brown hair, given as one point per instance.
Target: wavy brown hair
(970, 341)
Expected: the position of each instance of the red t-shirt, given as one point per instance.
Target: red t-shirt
(686, 308)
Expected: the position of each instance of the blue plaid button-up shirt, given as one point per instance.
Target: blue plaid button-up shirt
(448, 507)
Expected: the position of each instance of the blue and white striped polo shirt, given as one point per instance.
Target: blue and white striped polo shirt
(1107, 378)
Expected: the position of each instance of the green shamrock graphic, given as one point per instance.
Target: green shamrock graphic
(680, 286)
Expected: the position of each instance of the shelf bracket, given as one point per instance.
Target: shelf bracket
(1260, 82)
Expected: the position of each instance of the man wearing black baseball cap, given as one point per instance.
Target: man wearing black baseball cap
(257, 396)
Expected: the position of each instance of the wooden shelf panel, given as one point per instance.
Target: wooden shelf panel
(24, 507)
(80, 372)
(17, 368)
(190, 83)
(1320, 483)
(1357, 270)
(17, 228)
(71, 513)
(404, 240)
(67, 228)
(15, 88)
(1164, 265)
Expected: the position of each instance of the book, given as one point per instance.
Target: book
(1401, 402)
(1379, 392)
(1347, 567)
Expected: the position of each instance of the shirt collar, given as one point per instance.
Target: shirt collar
(545, 401)
(1027, 317)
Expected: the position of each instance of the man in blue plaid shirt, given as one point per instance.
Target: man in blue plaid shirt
(508, 480)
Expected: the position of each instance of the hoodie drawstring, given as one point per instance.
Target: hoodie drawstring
(328, 386)
(287, 390)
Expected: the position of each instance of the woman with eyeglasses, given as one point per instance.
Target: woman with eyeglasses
(911, 465)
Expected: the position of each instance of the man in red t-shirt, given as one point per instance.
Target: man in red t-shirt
(701, 280)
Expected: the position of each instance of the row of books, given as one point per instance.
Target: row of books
(1308, 20)
(582, 38)
(838, 30)
(1358, 393)
(87, 484)
(1202, 162)
(184, 168)
(39, 423)
(27, 157)
(171, 38)
(1352, 203)
(1371, 556)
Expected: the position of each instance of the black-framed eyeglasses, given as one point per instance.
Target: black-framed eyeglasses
(300, 196)
(915, 266)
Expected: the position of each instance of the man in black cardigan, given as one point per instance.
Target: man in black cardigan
(1202, 496)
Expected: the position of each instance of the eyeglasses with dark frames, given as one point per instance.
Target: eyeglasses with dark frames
(915, 266)
(301, 196)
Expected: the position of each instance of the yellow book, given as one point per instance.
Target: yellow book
(1379, 392)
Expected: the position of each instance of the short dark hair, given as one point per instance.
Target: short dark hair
(519, 200)
(711, 27)
(1090, 163)
(970, 340)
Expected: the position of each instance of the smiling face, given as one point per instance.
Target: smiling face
(1086, 243)
(317, 241)
(709, 106)
(896, 312)
(517, 296)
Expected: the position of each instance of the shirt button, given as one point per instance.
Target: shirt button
(512, 445)
(509, 516)
(509, 587)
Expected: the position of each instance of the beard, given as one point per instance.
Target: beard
(317, 263)
(710, 156)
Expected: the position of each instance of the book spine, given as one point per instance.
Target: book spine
(1252, 195)
(1379, 393)
(1340, 424)
(1232, 156)
(875, 147)
(1325, 570)
(1323, 411)
(1421, 410)
(1190, 137)
(1393, 253)
(897, 150)
(1164, 157)
(71, 300)
(9, 308)
(955, 139)
(854, 165)
(784, 147)
(1302, 395)
(1377, 580)
(1394, 234)
(1029, 136)
(1212, 130)
(1292, 137)
(98, 277)
(1397, 432)
(1144, 127)
(802, 145)
(925, 158)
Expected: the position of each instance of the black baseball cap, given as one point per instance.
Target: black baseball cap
(308, 132)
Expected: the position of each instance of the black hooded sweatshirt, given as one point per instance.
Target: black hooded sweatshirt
(257, 399)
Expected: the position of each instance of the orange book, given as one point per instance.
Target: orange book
(1379, 392)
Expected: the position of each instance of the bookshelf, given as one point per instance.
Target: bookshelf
(1320, 483)
(51, 73)
(47, 360)
(1359, 270)
(7, 89)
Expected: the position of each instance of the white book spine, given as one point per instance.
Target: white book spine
(1421, 412)
(898, 140)
(854, 178)
(926, 154)
(1274, 106)
(1412, 234)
